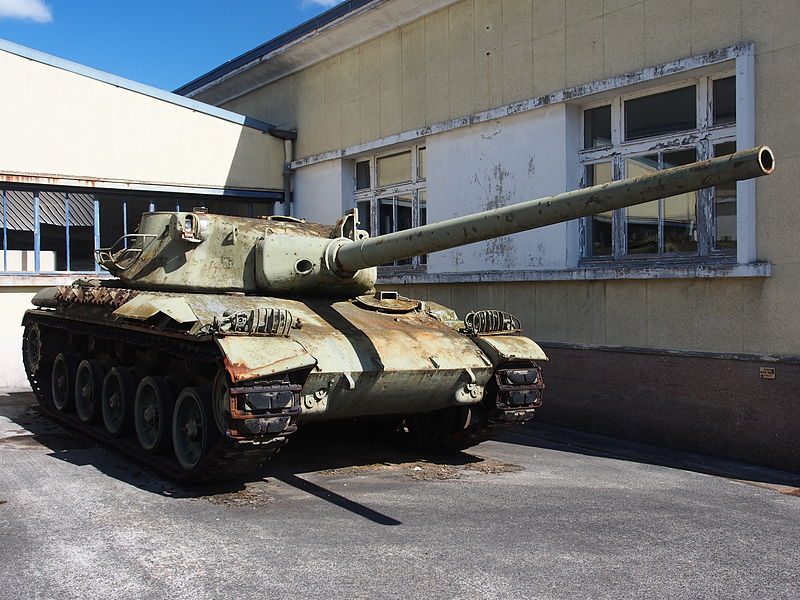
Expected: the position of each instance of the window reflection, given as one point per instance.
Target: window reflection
(725, 206)
(395, 168)
(680, 212)
(599, 242)
(642, 219)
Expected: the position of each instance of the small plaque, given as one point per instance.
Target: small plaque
(766, 372)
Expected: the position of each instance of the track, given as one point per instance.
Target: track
(225, 458)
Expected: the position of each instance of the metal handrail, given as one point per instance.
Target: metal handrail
(113, 255)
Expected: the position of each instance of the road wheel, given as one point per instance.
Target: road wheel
(152, 413)
(63, 375)
(88, 387)
(116, 400)
(193, 428)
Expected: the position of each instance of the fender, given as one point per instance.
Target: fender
(251, 357)
(503, 348)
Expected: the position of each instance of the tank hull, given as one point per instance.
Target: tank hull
(330, 360)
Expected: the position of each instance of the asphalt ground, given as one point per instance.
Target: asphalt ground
(540, 513)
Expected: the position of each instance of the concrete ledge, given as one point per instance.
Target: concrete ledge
(40, 281)
(604, 271)
(717, 405)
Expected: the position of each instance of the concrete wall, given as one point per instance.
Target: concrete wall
(14, 301)
(497, 164)
(59, 123)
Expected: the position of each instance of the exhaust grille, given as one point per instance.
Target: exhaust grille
(491, 321)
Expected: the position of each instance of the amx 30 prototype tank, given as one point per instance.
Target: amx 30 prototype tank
(220, 335)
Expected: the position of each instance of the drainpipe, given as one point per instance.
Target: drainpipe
(288, 136)
(287, 178)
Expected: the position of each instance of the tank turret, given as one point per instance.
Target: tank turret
(223, 335)
(285, 256)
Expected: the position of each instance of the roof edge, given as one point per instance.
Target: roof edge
(133, 86)
(318, 22)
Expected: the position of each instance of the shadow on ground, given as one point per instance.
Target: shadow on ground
(330, 450)
(348, 449)
(543, 435)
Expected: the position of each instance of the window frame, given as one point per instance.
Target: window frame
(702, 138)
(375, 193)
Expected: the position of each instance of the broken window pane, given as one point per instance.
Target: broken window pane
(599, 242)
(724, 102)
(642, 219)
(675, 110)
(597, 127)
(395, 168)
(725, 206)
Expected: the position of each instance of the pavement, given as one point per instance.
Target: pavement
(541, 512)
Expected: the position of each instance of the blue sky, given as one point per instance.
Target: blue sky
(164, 43)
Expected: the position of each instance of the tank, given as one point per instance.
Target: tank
(219, 336)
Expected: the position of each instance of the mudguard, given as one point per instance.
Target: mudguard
(249, 357)
(503, 348)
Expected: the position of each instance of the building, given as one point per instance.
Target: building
(85, 152)
(672, 322)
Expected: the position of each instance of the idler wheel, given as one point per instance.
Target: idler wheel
(63, 375)
(152, 413)
(193, 429)
(117, 399)
(88, 387)
(32, 348)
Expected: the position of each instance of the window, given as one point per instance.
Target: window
(51, 231)
(629, 136)
(390, 194)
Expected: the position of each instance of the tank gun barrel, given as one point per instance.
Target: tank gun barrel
(531, 214)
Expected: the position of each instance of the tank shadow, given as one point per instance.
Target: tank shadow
(316, 450)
